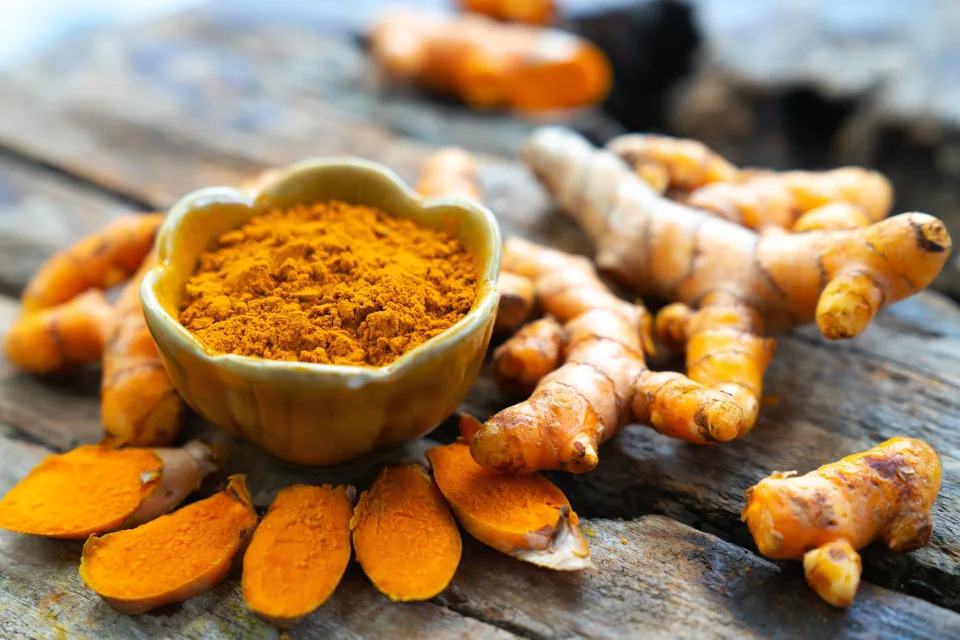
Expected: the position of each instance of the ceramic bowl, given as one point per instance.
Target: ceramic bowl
(317, 414)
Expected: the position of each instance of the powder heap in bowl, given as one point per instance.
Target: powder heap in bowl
(331, 283)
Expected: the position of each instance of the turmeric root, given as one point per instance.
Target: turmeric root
(450, 171)
(100, 261)
(528, 355)
(405, 537)
(827, 515)
(837, 216)
(71, 333)
(527, 517)
(516, 301)
(528, 11)
(139, 405)
(488, 64)
(174, 557)
(669, 164)
(755, 199)
(585, 401)
(839, 278)
(299, 552)
(95, 490)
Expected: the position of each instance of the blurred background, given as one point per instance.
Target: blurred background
(791, 84)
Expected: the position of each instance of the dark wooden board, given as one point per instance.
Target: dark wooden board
(139, 118)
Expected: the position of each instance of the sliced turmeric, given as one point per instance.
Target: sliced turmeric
(174, 557)
(405, 537)
(528, 11)
(95, 490)
(528, 355)
(604, 376)
(55, 338)
(527, 517)
(489, 64)
(139, 404)
(100, 261)
(299, 552)
(826, 515)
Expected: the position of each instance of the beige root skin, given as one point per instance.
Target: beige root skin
(183, 470)
(833, 571)
(528, 355)
(683, 254)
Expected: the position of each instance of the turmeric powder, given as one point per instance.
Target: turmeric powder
(71, 333)
(298, 553)
(885, 492)
(527, 517)
(94, 489)
(174, 557)
(139, 405)
(404, 535)
(331, 283)
(99, 261)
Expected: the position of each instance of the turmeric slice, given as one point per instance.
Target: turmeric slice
(528, 11)
(405, 537)
(299, 552)
(528, 355)
(174, 557)
(139, 405)
(94, 489)
(100, 261)
(827, 515)
(526, 517)
(489, 64)
(71, 333)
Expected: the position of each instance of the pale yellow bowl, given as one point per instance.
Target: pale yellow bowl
(318, 414)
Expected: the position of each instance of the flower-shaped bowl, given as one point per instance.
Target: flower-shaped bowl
(318, 414)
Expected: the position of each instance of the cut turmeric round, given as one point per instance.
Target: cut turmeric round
(404, 535)
(174, 557)
(299, 553)
(527, 516)
(94, 489)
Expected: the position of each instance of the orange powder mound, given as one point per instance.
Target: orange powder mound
(85, 491)
(507, 512)
(299, 552)
(331, 283)
(405, 536)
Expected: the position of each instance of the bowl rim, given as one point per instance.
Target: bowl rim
(480, 313)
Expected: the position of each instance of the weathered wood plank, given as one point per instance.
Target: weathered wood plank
(657, 578)
(41, 213)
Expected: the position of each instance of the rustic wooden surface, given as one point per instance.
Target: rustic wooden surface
(136, 119)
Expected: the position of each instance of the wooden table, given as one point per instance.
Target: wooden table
(134, 119)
